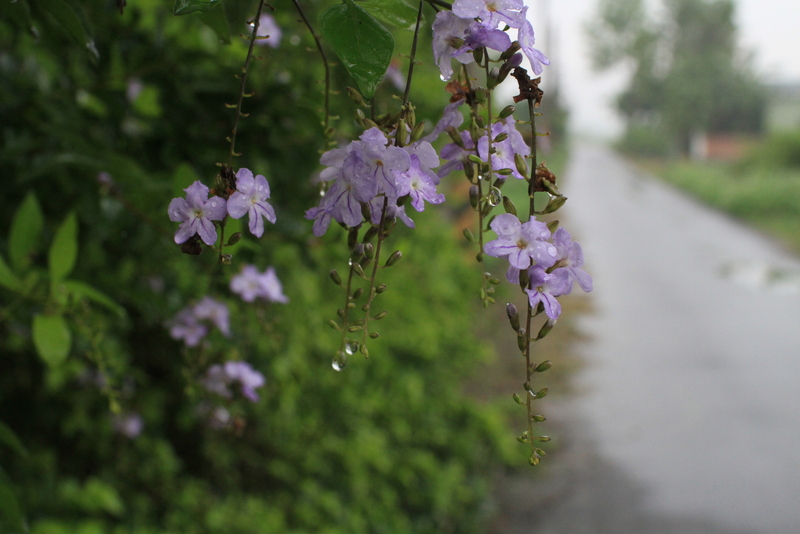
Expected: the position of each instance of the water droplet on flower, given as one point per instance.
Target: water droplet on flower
(351, 347)
(339, 361)
(443, 78)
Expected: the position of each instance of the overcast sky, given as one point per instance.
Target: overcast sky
(768, 28)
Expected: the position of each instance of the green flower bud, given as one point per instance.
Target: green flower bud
(507, 112)
(394, 258)
(509, 206)
(334, 274)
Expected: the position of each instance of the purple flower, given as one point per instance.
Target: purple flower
(478, 35)
(526, 41)
(449, 31)
(393, 211)
(129, 425)
(219, 378)
(451, 117)
(570, 256)
(381, 162)
(419, 185)
(214, 311)
(491, 12)
(503, 158)
(267, 27)
(185, 326)
(251, 197)
(545, 288)
(524, 244)
(456, 155)
(196, 213)
(251, 284)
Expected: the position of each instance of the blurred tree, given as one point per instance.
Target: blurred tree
(687, 74)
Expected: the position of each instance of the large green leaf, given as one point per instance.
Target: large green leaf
(217, 20)
(363, 45)
(52, 338)
(26, 231)
(70, 17)
(64, 249)
(10, 509)
(10, 440)
(184, 7)
(7, 277)
(393, 12)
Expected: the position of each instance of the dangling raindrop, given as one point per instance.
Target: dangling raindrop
(339, 361)
(495, 196)
(351, 347)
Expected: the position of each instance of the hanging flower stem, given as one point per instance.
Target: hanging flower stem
(326, 64)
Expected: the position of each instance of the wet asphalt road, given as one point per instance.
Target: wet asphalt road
(687, 419)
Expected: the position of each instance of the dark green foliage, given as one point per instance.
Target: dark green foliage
(389, 445)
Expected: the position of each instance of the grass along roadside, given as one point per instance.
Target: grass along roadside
(767, 198)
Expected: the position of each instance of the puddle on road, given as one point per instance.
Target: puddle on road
(763, 277)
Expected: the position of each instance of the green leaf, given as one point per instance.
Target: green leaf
(26, 231)
(184, 7)
(20, 13)
(10, 439)
(363, 45)
(392, 12)
(69, 17)
(64, 249)
(52, 338)
(7, 277)
(217, 20)
(10, 509)
(81, 289)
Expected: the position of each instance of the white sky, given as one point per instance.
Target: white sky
(768, 28)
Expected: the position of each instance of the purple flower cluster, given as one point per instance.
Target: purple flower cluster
(219, 379)
(197, 212)
(371, 172)
(476, 23)
(251, 284)
(552, 260)
(190, 323)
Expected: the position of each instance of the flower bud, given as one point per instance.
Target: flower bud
(374, 335)
(518, 399)
(507, 111)
(522, 339)
(334, 274)
(468, 234)
(469, 170)
(474, 196)
(402, 133)
(226, 259)
(544, 366)
(501, 137)
(340, 312)
(333, 324)
(542, 438)
(369, 250)
(394, 258)
(371, 232)
(380, 289)
(358, 269)
(355, 96)
(510, 51)
(479, 120)
(513, 316)
(534, 459)
(552, 226)
(477, 55)
(538, 418)
(475, 159)
(379, 316)
(357, 293)
(554, 204)
(522, 166)
(235, 238)
(509, 206)
(417, 132)
(541, 393)
(546, 327)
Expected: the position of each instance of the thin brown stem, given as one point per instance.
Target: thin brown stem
(326, 119)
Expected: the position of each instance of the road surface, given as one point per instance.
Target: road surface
(687, 419)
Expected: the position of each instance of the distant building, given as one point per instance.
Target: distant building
(781, 114)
